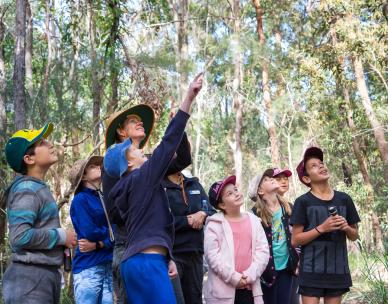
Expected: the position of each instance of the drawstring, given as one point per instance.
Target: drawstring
(111, 236)
(181, 179)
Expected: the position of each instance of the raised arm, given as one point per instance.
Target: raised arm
(156, 167)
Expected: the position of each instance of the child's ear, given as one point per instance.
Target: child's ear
(260, 192)
(29, 159)
(120, 132)
(221, 206)
(130, 164)
(306, 179)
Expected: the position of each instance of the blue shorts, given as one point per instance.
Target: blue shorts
(146, 279)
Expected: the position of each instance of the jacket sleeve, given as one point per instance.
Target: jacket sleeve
(261, 253)
(153, 170)
(183, 158)
(85, 226)
(221, 268)
(23, 213)
(181, 223)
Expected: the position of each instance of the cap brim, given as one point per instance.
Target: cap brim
(43, 132)
(229, 180)
(286, 172)
(146, 114)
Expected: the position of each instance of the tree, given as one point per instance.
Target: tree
(95, 71)
(378, 129)
(237, 102)
(19, 94)
(266, 86)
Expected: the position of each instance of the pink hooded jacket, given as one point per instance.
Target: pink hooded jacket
(222, 280)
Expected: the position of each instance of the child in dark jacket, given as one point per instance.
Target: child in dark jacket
(142, 202)
(190, 206)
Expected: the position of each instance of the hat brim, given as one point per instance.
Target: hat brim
(229, 180)
(146, 114)
(95, 160)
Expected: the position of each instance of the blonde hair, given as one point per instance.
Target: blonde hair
(263, 211)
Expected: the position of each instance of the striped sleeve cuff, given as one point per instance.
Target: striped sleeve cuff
(61, 236)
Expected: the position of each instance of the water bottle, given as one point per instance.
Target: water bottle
(67, 260)
(205, 206)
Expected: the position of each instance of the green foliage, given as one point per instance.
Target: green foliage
(374, 272)
(307, 74)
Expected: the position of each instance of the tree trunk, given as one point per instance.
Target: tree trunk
(73, 73)
(266, 89)
(111, 48)
(378, 129)
(96, 82)
(376, 227)
(180, 11)
(3, 130)
(368, 205)
(19, 71)
(237, 102)
(50, 54)
(29, 50)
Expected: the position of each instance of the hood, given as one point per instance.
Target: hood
(19, 179)
(217, 217)
(120, 190)
(166, 183)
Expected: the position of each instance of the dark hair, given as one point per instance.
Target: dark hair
(30, 151)
(118, 138)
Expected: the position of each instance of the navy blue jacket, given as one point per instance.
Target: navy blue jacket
(182, 160)
(90, 223)
(141, 199)
(187, 239)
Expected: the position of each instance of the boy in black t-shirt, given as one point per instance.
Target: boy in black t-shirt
(324, 270)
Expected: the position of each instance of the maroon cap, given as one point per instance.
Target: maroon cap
(310, 152)
(216, 189)
(277, 171)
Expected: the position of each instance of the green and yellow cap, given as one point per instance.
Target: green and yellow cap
(20, 141)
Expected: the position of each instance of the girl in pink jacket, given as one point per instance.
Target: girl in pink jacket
(236, 249)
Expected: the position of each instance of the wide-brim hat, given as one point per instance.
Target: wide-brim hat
(20, 141)
(78, 169)
(216, 189)
(144, 112)
(310, 152)
(255, 182)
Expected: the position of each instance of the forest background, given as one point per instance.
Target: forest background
(280, 75)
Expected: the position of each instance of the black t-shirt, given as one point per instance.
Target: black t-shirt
(324, 261)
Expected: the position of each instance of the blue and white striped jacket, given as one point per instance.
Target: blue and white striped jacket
(35, 234)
